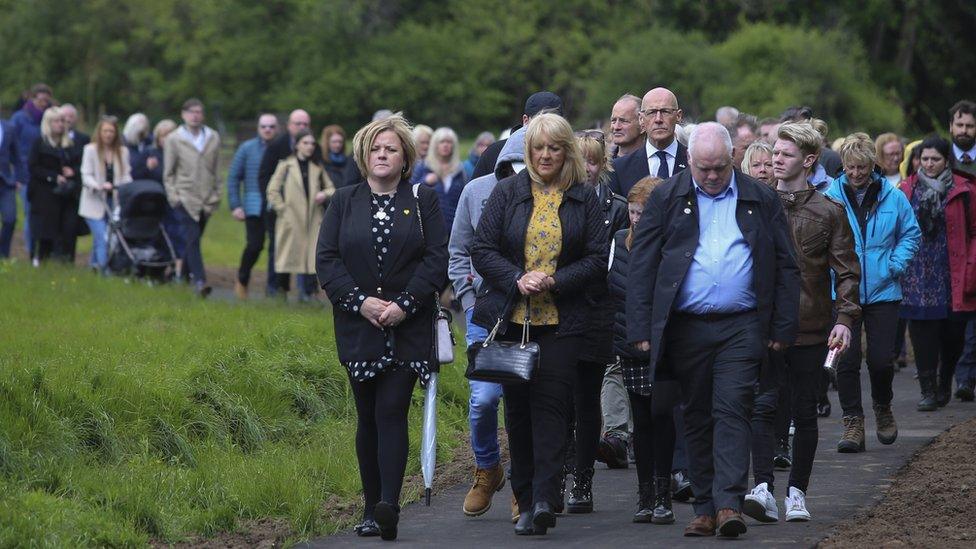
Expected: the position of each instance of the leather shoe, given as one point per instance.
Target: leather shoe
(524, 525)
(730, 523)
(387, 517)
(543, 517)
(701, 526)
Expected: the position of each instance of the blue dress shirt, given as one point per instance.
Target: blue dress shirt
(719, 279)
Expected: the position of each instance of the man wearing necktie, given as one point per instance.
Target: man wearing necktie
(962, 128)
(713, 281)
(661, 154)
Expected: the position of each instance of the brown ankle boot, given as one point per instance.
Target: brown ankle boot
(240, 290)
(887, 428)
(852, 441)
(486, 483)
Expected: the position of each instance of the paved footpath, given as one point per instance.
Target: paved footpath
(842, 485)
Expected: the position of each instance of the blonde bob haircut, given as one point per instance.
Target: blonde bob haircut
(556, 129)
(751, 151)
(433, 160)
(49, 115)
(595, 150)
(364, 138)
(803, 135)
(857, 148)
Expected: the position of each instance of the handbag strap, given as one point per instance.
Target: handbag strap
(525, 326)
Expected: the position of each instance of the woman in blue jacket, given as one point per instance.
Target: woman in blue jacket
(886, 237)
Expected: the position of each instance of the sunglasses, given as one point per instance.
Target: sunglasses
(268, 126)
(592, 134)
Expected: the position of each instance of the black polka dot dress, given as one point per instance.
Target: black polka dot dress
(365, 370)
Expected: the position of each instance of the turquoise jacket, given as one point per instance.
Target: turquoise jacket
(887, 243)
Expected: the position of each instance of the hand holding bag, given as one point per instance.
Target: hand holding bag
(505, 362)
(443, 337)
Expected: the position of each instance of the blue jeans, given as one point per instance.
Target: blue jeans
(8, 217)
(483, 408)
(99, 252)
(966, 367)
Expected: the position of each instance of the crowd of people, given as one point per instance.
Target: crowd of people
(693, 288)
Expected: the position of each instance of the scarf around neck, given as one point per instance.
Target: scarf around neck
(932, 193)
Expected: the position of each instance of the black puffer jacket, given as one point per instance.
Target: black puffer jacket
(599, 336)
(498, 252)
(617, 282)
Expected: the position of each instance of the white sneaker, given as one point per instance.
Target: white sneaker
(760, 504)
(796, 506)
(36, 262)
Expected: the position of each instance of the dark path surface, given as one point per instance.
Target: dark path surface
(842, 486)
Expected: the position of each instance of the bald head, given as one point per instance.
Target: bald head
(659, 115)
(298, 120)
(70, 114)
(710, 156)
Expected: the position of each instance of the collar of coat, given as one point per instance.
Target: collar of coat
(748, 189)
(523, 189)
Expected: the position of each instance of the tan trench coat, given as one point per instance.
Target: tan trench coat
(299, 216)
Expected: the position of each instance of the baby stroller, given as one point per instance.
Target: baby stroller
(137, 242)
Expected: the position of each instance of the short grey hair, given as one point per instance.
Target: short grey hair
(709, 129)
(630, 97)
(730, 113)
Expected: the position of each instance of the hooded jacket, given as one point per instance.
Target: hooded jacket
(887, 241)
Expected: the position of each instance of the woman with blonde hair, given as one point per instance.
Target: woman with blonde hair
(53, 190)
(296, 192)
(886, 237)
(542, 237)
(422, 135)
(758, 162)
(442, 170)
(382, 253)
(104, 166)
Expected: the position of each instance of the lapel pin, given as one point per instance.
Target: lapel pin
(687, 210)
(750, 212)
(407, 212)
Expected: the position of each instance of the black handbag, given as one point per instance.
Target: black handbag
(505, 362)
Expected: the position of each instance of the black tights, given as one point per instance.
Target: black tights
(382, 404)
(589, 418)
(654, 434)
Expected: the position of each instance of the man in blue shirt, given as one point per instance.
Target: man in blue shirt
(244, 173)
(713, 282)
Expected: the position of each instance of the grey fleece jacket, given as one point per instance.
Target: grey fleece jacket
(472, 201)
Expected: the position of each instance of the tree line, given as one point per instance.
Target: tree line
(876, 65)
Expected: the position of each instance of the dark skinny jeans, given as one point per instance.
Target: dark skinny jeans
(880, 322)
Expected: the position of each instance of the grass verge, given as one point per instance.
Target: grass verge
(130, 414)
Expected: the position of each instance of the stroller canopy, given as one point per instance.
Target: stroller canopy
(142, 205)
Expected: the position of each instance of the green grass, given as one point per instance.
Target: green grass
(130, 413)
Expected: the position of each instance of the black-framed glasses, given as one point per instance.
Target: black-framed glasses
(592, 134)
(651, 113)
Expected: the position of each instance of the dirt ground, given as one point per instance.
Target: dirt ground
(932, 502)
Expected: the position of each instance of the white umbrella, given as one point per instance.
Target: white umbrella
(428, 443)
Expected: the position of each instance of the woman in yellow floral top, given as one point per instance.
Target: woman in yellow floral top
(541, 234)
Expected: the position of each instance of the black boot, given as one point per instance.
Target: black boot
(645, 502)
(387, 517)
(662, 501)
(943, 393)
(561, 503)
(928, 402)
(542, 518)
(581, 496)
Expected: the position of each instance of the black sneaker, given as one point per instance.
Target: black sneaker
(681, 487)
(965, 392)
(613, 452)
(782, 459)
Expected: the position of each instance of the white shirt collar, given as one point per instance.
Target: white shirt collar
(957, 152)
(198, 141)
(671, 150)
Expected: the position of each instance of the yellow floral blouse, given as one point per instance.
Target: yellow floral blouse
(543, 242)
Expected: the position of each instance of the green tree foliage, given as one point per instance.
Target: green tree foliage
(873, 64)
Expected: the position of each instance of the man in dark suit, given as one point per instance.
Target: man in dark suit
(661, 155)
(279, 149)
(713, 281)
(536, 103)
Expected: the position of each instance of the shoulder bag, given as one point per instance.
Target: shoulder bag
(505, 362)
(443, 337)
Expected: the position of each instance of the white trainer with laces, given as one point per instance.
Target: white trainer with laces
(796, 506)
(760, 504)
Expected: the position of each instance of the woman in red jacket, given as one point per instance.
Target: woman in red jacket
(939, 285)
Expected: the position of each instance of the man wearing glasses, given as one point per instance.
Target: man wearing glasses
(662, 156)
(245, 204)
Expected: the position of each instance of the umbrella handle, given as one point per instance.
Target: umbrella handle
(427, 496)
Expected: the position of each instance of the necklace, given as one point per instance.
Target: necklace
(381, 213)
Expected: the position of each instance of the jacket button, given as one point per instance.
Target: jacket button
(687, 254)
(606, 221)
(674, 285)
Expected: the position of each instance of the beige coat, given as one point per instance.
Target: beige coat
(93, 198)
(190, 176)
(299, 216)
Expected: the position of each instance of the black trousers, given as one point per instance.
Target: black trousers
(589, 415)
(801, 379)
(382, 404)
(274, 281)
(880, 323)
(192, 233)
(254, 231)
(938, 345)
(61, 221)
(716, 359)
(653, 437)
(536, 415)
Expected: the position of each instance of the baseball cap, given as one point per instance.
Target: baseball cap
(543, 100)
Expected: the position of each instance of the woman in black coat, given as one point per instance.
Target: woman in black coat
(53, 190)
(381, 256)
(541, 234)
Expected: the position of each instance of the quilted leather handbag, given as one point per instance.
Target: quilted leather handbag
(505, 362)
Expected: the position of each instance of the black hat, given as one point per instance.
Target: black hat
(543, 100)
